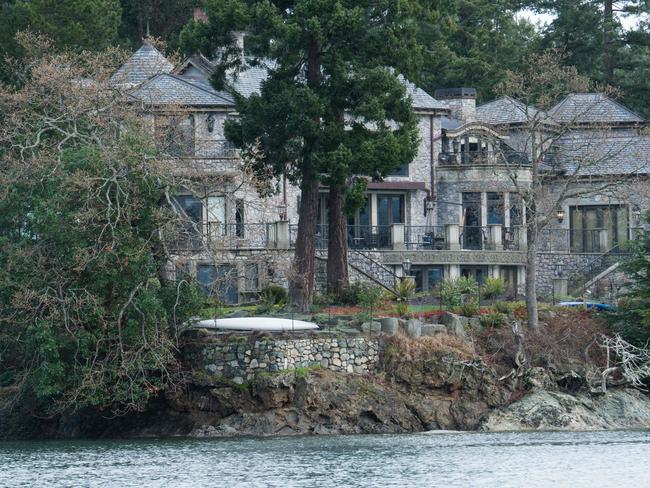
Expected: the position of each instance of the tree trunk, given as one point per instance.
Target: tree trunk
(337, 242)
(531, 275)
(608, 42)
(301, 275)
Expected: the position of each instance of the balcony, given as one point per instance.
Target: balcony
(214, 149)
(482, 158)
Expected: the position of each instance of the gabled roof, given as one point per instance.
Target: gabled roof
(603, 154)
(421, 99)
(506, 110)
(142, 65)
(592, 108)
(166, 89)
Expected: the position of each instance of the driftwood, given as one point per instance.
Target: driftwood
(632, 363)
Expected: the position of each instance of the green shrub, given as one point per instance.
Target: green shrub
(469, 308)
(405, 289)
(454, 291)
(349, 295)
(492, 320)
(502, 307)
(402, 309)
(274, 295)
(493, 287)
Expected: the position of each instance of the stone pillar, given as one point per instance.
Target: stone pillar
(560, 287)
(452, 235)
(454, 271)
(523, 238)
(282, 234)
(397, 236)
(496, 238)
(603, 240)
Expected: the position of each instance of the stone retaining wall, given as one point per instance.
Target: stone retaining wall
(239, 359)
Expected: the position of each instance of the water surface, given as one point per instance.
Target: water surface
(594, 460)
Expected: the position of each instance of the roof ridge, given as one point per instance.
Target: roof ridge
(179, 78)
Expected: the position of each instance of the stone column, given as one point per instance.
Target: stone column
(454, 271)
(560, 287)
(496, 239)
(397, 236)
(452, 235)
(603, 240)
(282, 234)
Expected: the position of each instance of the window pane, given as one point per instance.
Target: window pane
(495, 208)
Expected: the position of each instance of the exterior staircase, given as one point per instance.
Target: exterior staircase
(591, 275)
(368, 267)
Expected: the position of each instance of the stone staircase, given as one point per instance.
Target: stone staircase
(365, 265)
(591, 276)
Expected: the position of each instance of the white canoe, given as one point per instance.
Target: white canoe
(256, 323)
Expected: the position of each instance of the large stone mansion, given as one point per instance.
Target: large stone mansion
(455, 210)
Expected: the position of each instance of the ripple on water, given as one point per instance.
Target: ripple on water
(535, 459)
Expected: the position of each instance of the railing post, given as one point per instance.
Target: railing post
(453, 237)
(496, 237)
(282, 234)
(398, 237)
(603, 240)
(522, 237)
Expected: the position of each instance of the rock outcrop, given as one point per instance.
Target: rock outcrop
(547, 410)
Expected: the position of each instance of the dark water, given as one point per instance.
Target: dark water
(599, 459)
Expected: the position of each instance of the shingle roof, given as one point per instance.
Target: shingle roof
(603, 154)
(166, 89)
(142, 65)
(592, 108)
(421, 99)
(250, 80)
(506, 110)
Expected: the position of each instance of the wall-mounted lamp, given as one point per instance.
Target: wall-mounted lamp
(559, 269)
(210, 122)
(560, 215)
(406, 266)
(636, 212)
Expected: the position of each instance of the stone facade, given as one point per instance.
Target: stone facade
(238, 359)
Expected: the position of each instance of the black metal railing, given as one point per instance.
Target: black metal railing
(209, 149)
(482, 158)
(475, 238)
(429, 238)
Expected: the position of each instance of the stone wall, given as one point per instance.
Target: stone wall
(237, 358)
(547, 268)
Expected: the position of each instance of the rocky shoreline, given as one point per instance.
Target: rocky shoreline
(425, 384)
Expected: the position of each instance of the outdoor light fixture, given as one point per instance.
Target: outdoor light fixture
(560, 215)
(406, 265)
(282, 212)
(210, 122)
(636, 211)
(559, 269)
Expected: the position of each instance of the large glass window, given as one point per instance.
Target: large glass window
(216, 215)
(427, 277)
(190, 227)
(588, 221)
(219, 281)
(495, 208)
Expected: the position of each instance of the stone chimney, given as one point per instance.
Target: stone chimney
(461, 101)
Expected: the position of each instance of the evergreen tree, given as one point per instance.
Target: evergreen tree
(472, 43)
(332, 107)
(159, 18)
(69, 24)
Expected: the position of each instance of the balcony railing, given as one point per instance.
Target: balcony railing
(217, 235)
(280, 235)
(482, 158)
(215, 149)
(425, 238)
